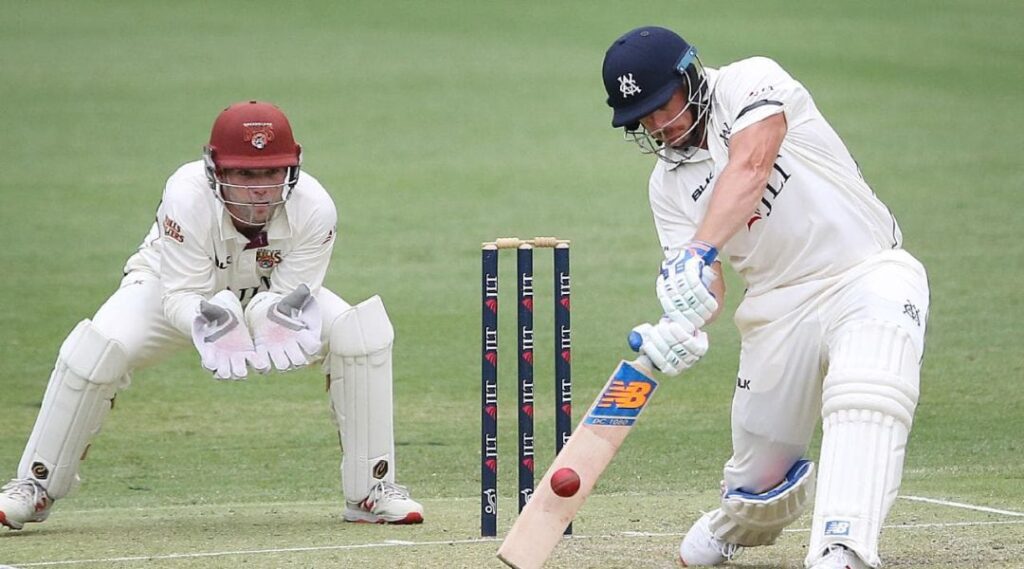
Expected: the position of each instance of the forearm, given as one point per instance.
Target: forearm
(180, 309)
(738, 191)
(717, 289)
(737, 194)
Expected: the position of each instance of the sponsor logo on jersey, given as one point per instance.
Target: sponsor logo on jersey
(776, 182)
(267, 258)
(700, 189)
(221, 263)
(725, 133)
(258, 134)
(760, 91)
(173, 230)
(623, 398)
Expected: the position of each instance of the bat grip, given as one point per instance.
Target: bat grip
(644, 362)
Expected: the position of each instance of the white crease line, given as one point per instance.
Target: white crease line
(962, 505)
(473, 541)
(806, 530)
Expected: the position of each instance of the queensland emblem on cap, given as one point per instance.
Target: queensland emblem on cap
(259, 134)
(628, 86)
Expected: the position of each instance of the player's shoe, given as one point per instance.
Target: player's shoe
(23, 500)
(700, 547)
(838, 557)
(388, 503)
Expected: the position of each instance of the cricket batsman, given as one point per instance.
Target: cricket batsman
(233, 265)
(832, 321)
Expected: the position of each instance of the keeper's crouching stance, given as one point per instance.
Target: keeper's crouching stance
(235, 263)
(92, 367)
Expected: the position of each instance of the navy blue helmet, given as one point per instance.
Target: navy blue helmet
(644, 67)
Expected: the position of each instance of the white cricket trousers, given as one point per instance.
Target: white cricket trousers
(784, 356)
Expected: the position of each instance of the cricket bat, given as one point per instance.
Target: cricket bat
(591, 447)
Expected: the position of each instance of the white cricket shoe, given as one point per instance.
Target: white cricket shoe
(23, 500)
(388, 503)
(700, 547)
(838, 557)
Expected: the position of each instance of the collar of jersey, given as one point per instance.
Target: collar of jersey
(699, 156)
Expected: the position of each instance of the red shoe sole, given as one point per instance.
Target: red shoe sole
(4, 522)
(411, 518)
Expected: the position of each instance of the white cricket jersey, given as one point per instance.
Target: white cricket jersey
(817, 216)
(196, 251)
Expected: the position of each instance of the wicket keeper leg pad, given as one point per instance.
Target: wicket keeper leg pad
(361, 396)
(758, 519)
(89, 371)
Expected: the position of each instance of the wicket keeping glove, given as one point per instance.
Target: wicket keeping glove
(222, 338)
(671, 346)
(684, 284)
(287, 333)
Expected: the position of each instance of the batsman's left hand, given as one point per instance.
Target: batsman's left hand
(671, 346)
(684, 284)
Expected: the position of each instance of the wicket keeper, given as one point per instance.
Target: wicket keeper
(234, 265)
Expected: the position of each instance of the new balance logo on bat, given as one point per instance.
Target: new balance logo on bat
(623, 398)
(623, 395)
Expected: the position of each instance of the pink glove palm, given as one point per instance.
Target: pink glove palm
(289, 336)
(222, 338)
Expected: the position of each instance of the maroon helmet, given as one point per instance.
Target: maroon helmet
(252, 135)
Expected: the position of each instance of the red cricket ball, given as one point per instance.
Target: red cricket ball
(565, 482)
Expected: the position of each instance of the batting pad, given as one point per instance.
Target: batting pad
(758, 519)
(90, 369)
(868, 402)
(360, 390)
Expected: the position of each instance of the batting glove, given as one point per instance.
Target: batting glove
(671, 346)
(684, 284)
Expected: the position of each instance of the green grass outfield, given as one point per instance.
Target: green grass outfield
(438, 125)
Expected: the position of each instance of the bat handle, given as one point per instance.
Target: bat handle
(635, 340)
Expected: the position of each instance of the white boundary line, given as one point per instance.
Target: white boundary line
(402, 543)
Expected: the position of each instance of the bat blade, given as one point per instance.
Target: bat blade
(589, 451)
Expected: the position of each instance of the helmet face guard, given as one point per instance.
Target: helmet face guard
(233, 207)
(251, 136)
(686, 144)
(642, 71)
